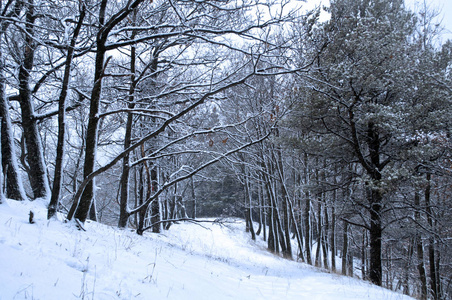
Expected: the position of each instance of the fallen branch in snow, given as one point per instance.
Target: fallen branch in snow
(191, 220)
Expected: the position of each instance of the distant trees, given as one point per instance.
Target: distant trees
(175, 67)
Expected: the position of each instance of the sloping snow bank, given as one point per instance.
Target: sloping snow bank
(53, 260)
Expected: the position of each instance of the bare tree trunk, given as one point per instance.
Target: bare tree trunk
(272, 241)
(193, 195)
(389, 268)
(364, 255)
(155, 204)
(277, 226)
(13, 182)
(375, 272)
(58, 176)
(287, 253)
(264, 211)
(2, 195)
(345, 249)
(306, 217)
(325, 246)
(81, 207)
(35, 156)
(260, 207)
(80, 210)
(333, 231)
(319, 233)
(434, 280)
(319, 196)
(124, 196)
(407, 271)
(248, 208)
(420, 250)
(140, 215)
(325, 223)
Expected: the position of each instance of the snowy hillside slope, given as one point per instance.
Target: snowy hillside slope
(53, 260)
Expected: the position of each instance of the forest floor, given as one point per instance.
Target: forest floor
(53, 260)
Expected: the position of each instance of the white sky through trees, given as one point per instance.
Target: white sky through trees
(443, 6)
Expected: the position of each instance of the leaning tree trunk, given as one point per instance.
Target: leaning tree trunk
(58, 177)
(80, 210)
(35, 155)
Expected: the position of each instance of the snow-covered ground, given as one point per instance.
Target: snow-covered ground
(53, 260)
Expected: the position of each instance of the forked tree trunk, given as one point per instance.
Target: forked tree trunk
(81, 208)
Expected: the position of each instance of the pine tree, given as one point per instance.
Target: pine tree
(356, 98)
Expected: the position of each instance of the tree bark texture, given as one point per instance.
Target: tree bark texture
(13, 182)
(11, 173)
(375, 235)
(87, 197)
(35, 155)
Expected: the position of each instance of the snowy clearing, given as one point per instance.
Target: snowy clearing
(53, 260)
